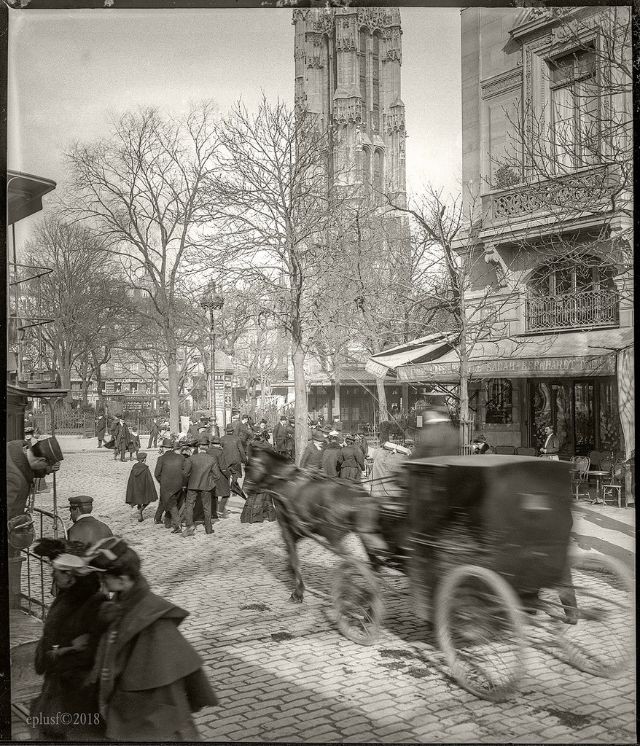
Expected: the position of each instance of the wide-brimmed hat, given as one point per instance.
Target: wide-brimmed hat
(203, 439)
(105, 552)
(167, 443)
(74, 564)
(214, 440)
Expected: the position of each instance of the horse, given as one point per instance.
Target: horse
(315, 506)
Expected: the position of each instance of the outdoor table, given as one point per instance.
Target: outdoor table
(598, 476)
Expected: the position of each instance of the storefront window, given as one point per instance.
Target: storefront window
(609, 418)
(499, 401)
(584, 420)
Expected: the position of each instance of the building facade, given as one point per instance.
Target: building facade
(548, 249)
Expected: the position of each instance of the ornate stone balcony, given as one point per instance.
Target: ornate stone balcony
(583, 192)
(581, 310)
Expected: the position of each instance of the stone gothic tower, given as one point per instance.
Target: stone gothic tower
(347, 63)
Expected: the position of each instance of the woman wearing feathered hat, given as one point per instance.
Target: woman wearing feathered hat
(150, 678)
(65, 654)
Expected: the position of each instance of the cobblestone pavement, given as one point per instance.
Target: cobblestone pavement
(284, 673)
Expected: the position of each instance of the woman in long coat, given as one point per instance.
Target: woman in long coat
(65, 653)
(141, 489)
(150, 678)
(332, 457)
(352, 464)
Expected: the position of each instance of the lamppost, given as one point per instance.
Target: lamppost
(212, 301)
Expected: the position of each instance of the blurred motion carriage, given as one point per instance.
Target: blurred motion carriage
(485, 545)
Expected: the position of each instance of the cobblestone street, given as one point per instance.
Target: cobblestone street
(284, 673)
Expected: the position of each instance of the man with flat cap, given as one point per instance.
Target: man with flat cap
(86, 529)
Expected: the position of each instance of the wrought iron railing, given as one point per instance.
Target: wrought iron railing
(585, 309)
(35, 588)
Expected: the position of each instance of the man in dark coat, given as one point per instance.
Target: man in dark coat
(245, 434)
(86, 529)
(23, 466)
(312, 455)
(122, 438)
(101, 426)
(282, 437)
(234, 452)
(140, 488)
(154, 431)
(332, 457)
(352, 464)
(150, 678)
(172, 472)
(222, 491)
(203, 475)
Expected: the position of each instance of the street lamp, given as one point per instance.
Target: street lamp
(211, 301)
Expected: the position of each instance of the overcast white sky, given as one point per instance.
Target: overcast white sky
(69, 70)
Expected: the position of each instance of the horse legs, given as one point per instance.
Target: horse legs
(291, 542)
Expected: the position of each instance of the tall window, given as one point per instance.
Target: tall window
(575, 109)
(375, 79)
(378, 171)
(499, 401)
(565, 276)
(366, 169)
(364, 88)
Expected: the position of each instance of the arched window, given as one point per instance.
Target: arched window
(378, 171)
(375, 81)
(572, 293)
(571, 276)
(364, 83)
(367, 175)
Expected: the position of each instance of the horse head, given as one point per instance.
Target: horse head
(265, 466)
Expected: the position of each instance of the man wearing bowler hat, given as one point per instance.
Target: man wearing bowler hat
(203, 475)
(172, 472)
(86, 529)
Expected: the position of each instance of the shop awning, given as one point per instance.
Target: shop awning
(417, 351)
(590, 353)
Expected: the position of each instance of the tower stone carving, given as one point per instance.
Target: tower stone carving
(347, 73)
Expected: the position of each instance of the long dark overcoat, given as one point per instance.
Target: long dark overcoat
(151, 679)
(221, 482)
(140, 488)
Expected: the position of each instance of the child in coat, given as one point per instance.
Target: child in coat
(141, 489)
(134, 442)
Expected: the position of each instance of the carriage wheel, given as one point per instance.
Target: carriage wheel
(357, 601)
(480, 630)
(602, 642)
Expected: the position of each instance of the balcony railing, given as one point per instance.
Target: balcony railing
(584, 191)
(584, 309)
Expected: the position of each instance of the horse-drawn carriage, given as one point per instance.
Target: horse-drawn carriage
(485, 545)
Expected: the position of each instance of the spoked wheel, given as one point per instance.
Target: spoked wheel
(480, 630)
(601, 643)
(357, 601)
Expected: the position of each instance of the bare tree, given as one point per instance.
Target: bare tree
(84, 295)
(142, 190)
(277, 212)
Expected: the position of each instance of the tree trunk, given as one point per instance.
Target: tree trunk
(336, 389)
(301, 409)
(65, 376)
(383, 414)
(172, 382)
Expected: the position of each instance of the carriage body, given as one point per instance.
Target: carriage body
(509, 514)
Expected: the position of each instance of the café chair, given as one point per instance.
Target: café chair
(505, 450)
(580, 477)
(525, 451)
(613, 489)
